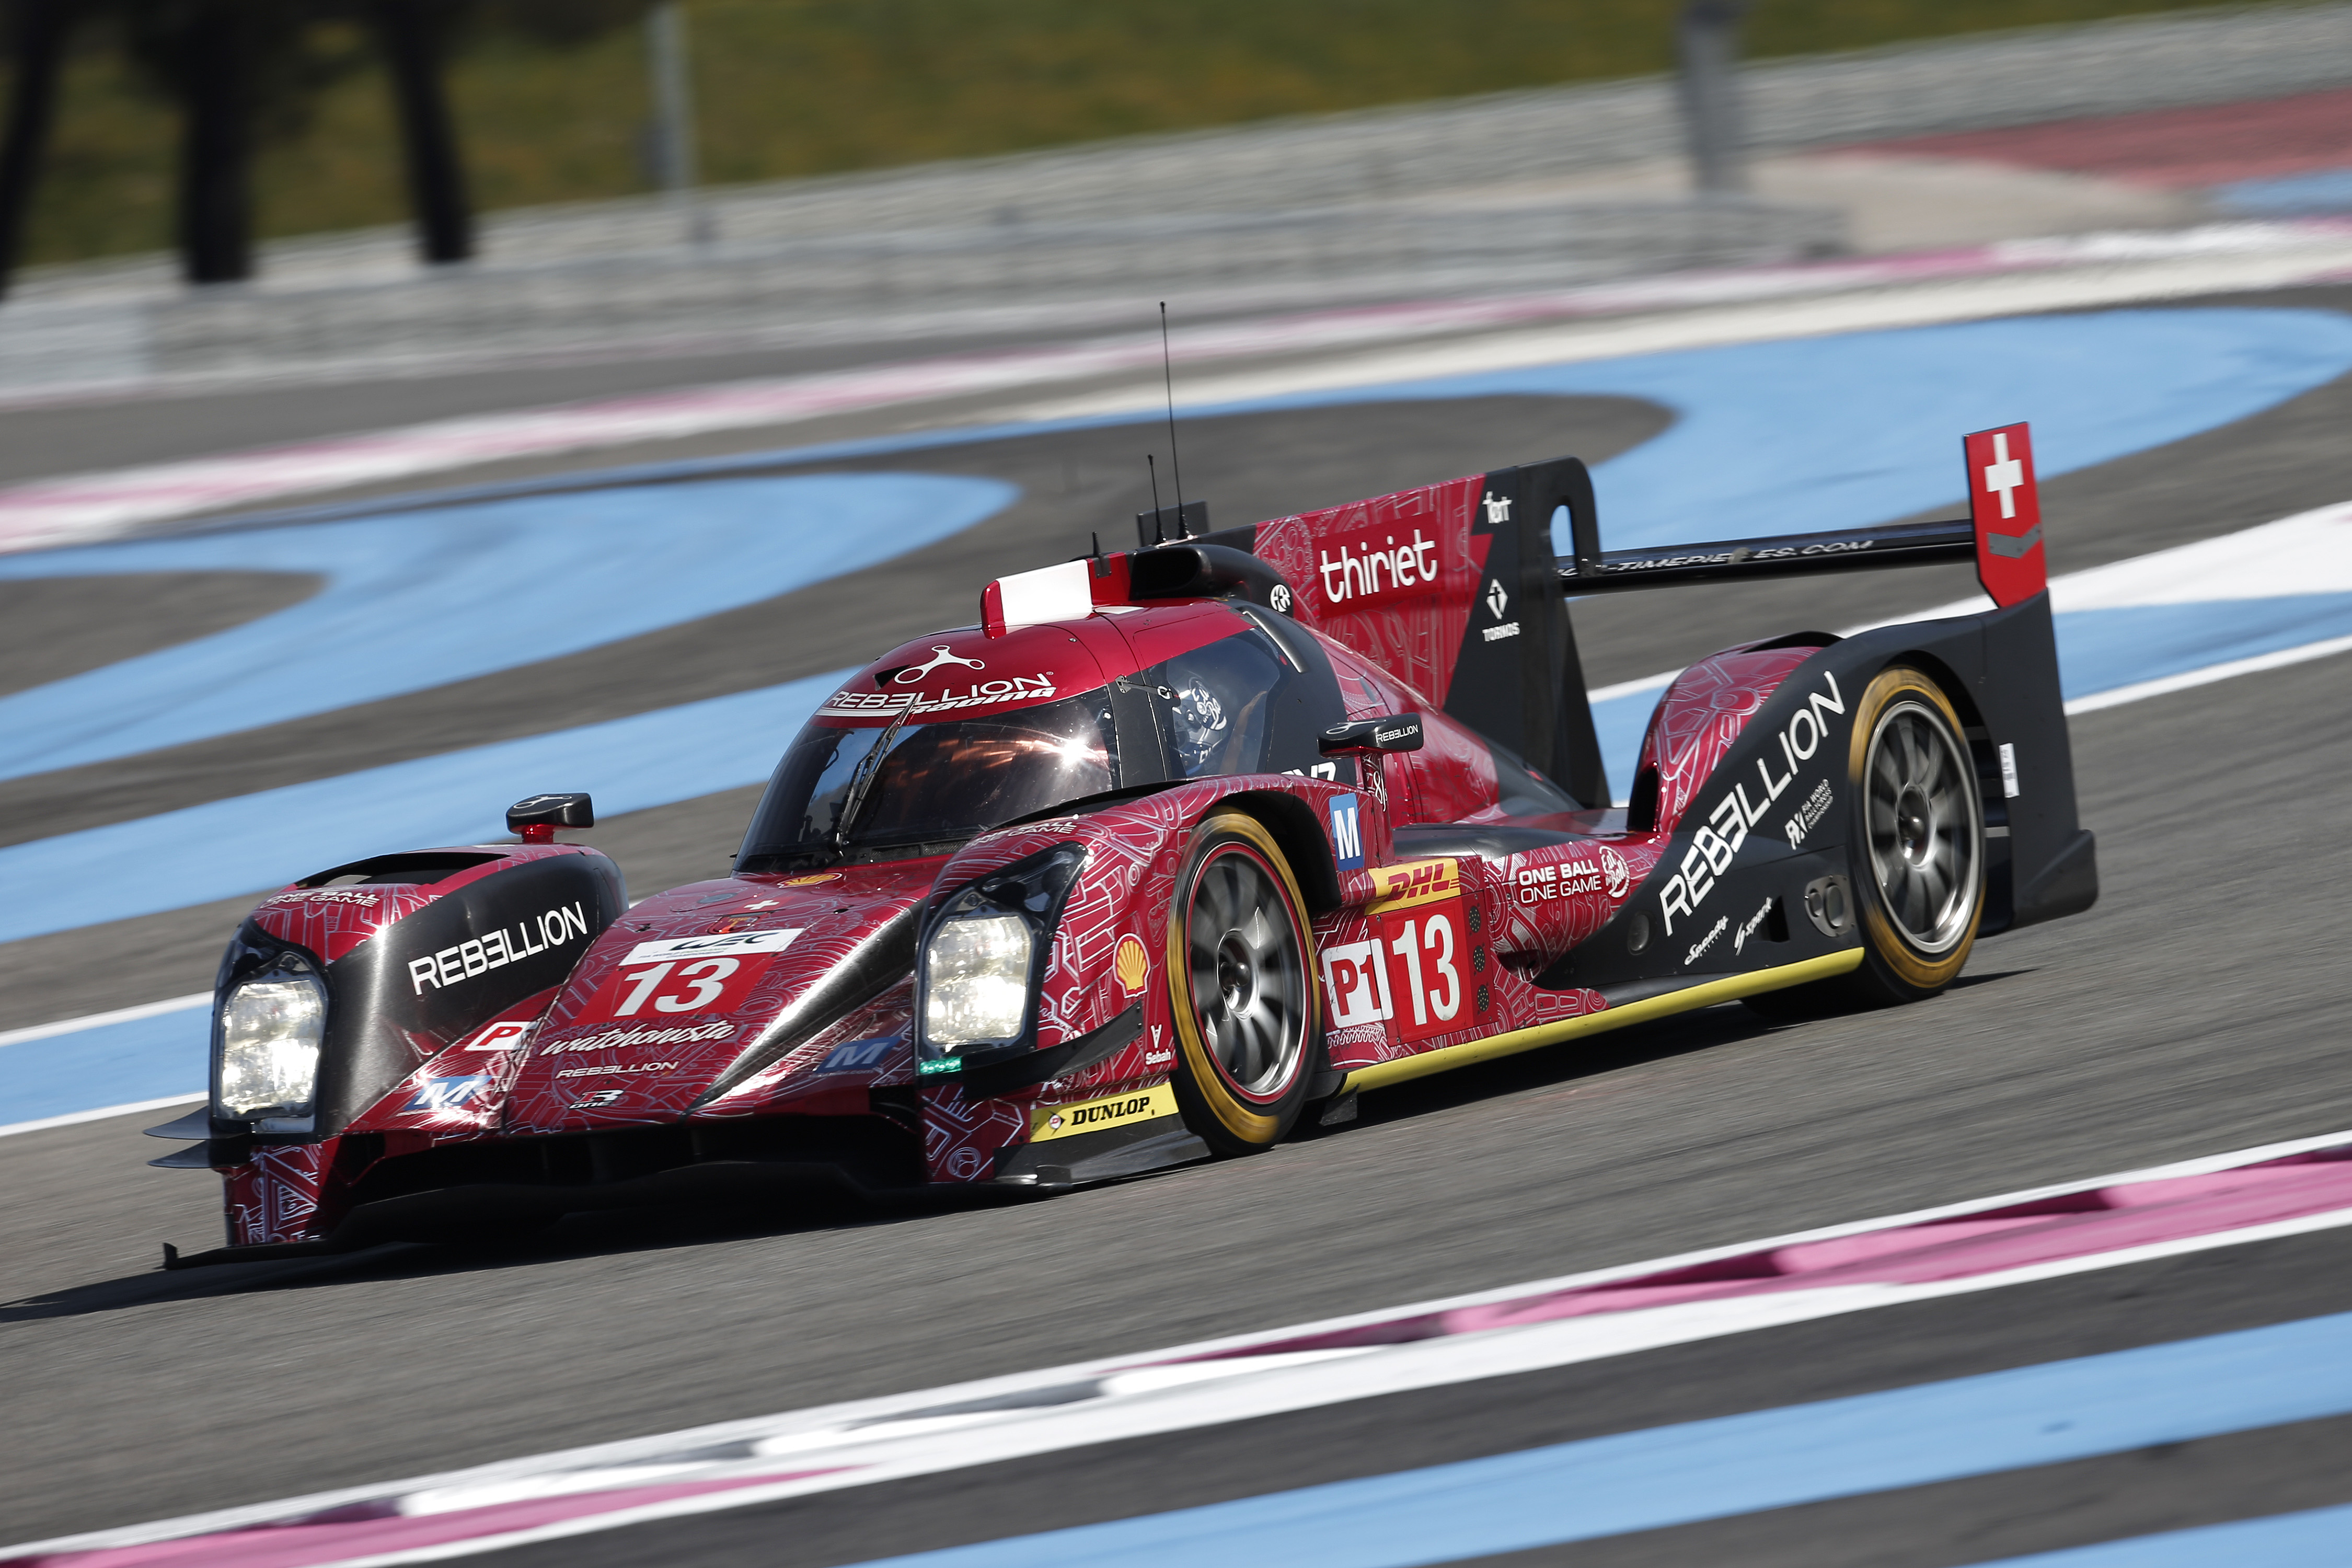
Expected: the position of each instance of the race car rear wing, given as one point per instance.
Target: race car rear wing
(2002, 534)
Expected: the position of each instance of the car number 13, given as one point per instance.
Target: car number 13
(701, 986)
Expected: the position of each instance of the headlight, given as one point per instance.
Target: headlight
(980, 963)
(978, 991)
(271, 1028)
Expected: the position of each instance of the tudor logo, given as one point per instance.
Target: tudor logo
(913, 674)
(1496, 600)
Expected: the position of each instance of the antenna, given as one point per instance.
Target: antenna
(1159, 518)
(1167, 376)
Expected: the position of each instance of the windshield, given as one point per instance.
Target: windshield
(939, 782)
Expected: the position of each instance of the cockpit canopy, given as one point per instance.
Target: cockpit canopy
(1243, 702)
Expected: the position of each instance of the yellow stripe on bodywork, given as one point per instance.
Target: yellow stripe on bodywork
(1705, 994)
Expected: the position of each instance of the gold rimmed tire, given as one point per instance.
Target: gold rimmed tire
(1918, 846)
(1240, 988)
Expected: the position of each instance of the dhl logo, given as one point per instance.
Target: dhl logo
(1415, 882)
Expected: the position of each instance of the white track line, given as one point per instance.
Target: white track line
(1176, 1389)
(75, 1117)
(100, 1020)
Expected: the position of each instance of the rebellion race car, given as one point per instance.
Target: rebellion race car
(1178, 845)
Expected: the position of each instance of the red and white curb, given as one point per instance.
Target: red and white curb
(1847, 296)
(2228, 1200)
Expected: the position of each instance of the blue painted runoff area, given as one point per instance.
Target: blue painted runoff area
(225, 848)
(1734, 1464)
(2321, 191)
(420, 598)
(113, 1063)
(2318, 1538)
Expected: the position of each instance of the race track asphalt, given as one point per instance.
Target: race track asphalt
(2196, 1009)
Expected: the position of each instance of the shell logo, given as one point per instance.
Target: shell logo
(1131, 965)
(812, 881)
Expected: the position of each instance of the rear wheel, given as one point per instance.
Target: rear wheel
(1915, 835)
(1240, 979)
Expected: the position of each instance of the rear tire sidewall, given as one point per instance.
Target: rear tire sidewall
(1894, 968)
(1227, 1122)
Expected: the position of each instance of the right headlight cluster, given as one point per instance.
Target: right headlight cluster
(266, 1039)
(980, 964)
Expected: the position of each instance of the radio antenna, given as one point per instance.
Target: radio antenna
(1159, 518)
(1167, 376)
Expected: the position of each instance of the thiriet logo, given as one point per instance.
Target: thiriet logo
(1367, 570)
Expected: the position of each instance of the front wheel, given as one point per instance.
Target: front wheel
(1240, 988)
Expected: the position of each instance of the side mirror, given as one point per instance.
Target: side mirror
(536, 818)
(1397, 732)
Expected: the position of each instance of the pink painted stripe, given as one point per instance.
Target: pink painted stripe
(369, 1528)
(2076, 1225)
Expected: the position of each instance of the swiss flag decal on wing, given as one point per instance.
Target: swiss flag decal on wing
(2006, 506)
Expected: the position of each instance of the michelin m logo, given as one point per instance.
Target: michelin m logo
(1347, 833)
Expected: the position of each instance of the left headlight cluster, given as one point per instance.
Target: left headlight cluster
(980, 966)
(266, 1040)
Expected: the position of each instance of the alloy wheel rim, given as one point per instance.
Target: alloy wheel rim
(1248, 980)
(1921, 814)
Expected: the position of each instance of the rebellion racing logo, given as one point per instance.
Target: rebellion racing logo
(555, 928)
(979, 694)
(1726, 828)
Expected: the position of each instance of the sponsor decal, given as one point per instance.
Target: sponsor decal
(711, 944)
(621, 1039)
(601, 1098)
(1366, 571)
(1131, 965)
(622, 1068)
(1048, 1122)
(1158, 1058)
(447, 1093)
(1542, 884)
(1809, 816)
(324, 896)
(1497, 633)
(452, 966)
(500, 1037)
(1725, 829)
(913, 674)
(1737, 553)
(1415, 882)
(735, 923)
(813, 880)
(1747, 928)
(1347, 833)
(1499, 513)
(979, 694)
(1618, 877)
(2008, 789)
(938, 1065)
(1279, 597)
(1722, 923)
(857, 1056)
(1497, 601)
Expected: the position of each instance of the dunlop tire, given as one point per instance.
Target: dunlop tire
(1212, 1111)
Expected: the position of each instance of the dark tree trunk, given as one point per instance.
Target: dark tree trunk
(40, 29)
(216, 147)
(436, 174)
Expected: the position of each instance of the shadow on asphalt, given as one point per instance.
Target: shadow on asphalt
(623, 1231)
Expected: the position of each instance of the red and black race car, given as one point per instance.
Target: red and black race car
(1178, 845)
